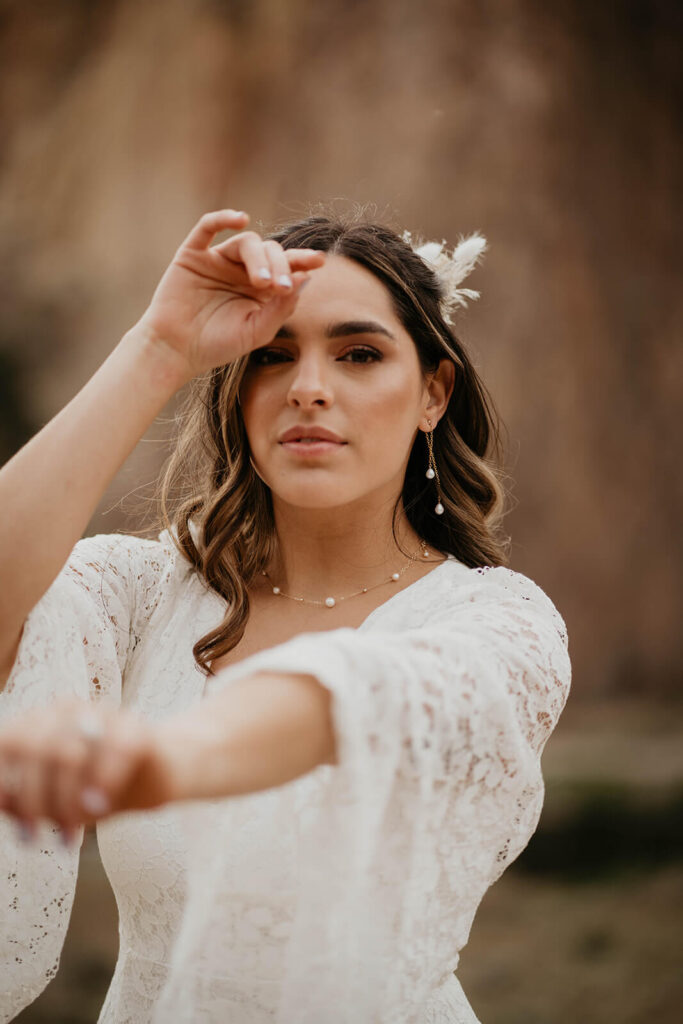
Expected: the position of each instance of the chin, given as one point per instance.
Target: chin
(314, 493)
(312, 500)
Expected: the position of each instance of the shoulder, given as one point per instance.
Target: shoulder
(126, 577)
(502, 615)
(497, 587)
(503, 580)
(116, 554)
(123, 562)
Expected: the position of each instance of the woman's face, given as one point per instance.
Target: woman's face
(342, 364)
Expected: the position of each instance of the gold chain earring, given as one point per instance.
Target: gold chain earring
(432, 472)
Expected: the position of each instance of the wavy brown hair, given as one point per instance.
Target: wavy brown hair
(210, 480)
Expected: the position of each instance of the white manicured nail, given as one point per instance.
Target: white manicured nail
(285, 280)
(65, 837)
(94, 801)
(264, 274)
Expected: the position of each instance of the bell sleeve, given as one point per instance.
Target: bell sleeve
(440, 720)
(74, 643)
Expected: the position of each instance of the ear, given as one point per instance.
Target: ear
(437, 392)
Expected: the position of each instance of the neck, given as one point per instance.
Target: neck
(339, 551)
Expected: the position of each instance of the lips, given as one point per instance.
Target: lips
(310, 435)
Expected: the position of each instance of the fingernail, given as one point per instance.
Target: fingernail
(264, 274)
(285, 280)
(94, 801)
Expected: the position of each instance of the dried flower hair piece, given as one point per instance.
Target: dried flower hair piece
(452, 268)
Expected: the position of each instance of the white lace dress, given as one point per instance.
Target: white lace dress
(343, 897)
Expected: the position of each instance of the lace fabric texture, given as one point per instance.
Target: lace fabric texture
(345, 895)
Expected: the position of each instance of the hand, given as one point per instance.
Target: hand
(216, 303)
(75, 763)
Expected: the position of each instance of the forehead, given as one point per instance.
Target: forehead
(343, 289)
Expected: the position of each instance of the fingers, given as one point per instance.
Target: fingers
(263, 268)
(265, 321)
(24, 772)
(283, 262)
(69, 778)
(267, 264)
(51, 767)
(279, 265)
(210, 224)
(116, 763)
(305, 259)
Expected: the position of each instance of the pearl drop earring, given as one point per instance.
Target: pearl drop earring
(432, 472)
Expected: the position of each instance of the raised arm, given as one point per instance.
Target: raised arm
(213, 304)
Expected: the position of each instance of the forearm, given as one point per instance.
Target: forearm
(51, 487)
(259, 733)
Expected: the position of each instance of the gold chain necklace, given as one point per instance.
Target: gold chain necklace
(330, 602)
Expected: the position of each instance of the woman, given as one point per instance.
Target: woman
(325, 634)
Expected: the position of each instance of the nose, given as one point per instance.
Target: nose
(310, 385)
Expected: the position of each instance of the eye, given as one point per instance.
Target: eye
(361, 354)
(268, 356)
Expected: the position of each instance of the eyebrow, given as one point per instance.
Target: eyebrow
(343, 330)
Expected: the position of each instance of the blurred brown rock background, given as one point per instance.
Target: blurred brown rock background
(549, 127)
(552, 128)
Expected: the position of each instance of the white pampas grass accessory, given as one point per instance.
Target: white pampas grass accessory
(451, 268)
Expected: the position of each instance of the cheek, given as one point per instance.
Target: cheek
(252, 390)
(392, 401)
(259, 403)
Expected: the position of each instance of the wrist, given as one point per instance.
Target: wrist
(185, 747)
(262, 731)
(166, 369)
(171, 755)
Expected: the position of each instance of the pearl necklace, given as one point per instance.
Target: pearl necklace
(330, 602)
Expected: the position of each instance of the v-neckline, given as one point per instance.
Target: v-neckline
(369, 619)
(411, 587)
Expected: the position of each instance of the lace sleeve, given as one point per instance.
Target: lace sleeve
(439, 730)
(75, 642)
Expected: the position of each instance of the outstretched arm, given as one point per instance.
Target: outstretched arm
(261, 732)
(470, 699)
